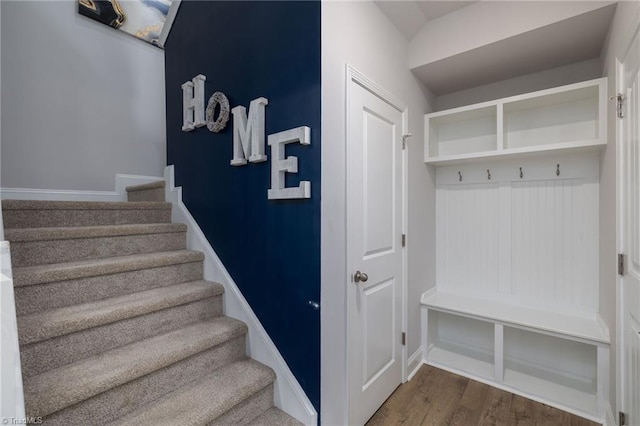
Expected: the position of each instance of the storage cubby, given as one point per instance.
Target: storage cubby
(465, 131)
(568, 116)
(560, 369)
(461, 343)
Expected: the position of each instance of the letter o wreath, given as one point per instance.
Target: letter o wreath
(219, 124)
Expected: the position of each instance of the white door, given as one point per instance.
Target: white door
(630, 239)
(375, 218)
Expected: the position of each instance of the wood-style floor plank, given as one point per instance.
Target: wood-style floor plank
(436, 397)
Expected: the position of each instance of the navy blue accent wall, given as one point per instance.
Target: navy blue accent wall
(271, 248)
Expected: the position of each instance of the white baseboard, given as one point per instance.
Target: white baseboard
(414, 363)
(120, 193)
(289, 396)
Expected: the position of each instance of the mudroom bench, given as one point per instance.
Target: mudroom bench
(551, 357)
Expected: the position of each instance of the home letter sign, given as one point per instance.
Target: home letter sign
(281, 165)
(193, 103)
(248, 135)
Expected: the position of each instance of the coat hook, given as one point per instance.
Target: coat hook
(488, 174)
(460, 176)
(521, 174)
(558, 170)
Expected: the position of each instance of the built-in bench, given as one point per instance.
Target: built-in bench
(549, 356)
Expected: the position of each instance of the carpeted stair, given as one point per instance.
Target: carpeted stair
(116, 324)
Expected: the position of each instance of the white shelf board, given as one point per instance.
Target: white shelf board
(586, 328)
(516, 152)
(598, 82)
(550, 99)
(459, 358)
(583, 402)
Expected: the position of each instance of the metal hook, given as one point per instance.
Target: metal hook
(521, 174)
(558, 170)
(488, 174)
(460, 176)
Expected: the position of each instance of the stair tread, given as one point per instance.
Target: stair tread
(274, 417)
(83, 205)
(53, 272)
(62, 387)
(146, 186)
(58, 322)
(201, 402)
(78, 232)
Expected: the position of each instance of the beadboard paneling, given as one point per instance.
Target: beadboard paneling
(550, 253)
(531, 240)
(468, 236)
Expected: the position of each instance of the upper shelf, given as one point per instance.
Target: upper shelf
(567, 117)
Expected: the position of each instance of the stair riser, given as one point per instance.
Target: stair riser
(28, 253)
(58, 218)
(155, 194)
(247, 410)
(35, 298)
(52, 353)
(118, 402)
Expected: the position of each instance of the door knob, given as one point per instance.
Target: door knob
(360, 276)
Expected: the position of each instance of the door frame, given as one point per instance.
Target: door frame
(353, 76)
(620, 83)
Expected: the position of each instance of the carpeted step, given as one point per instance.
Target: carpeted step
(55, 338)
(203, 402)
(274, 416)
(104, 375)
(63, 284)
(37, 246)
(153, 191)
(44, 214)
(247, 410)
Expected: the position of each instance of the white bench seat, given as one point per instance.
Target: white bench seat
(588, 327)
(557, 358)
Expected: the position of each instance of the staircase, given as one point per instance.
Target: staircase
(116, 324)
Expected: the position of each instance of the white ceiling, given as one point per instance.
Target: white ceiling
(576, 39)
(410, 16)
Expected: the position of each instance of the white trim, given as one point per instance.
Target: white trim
(289, 395)
(405, 249)
(120, 193)
(353, 75)
(168, 23)
(11, 391)
(620, 170)
(414, 363)
(609, 417)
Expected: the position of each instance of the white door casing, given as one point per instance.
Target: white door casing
(375, 218)
(629, 237)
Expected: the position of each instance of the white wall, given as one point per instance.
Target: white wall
(573, 73)
(625, 24)
(359, 34)
(80, 101)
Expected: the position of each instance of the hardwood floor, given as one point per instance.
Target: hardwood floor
(436, 397)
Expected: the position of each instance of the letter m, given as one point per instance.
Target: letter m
(248, 135)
